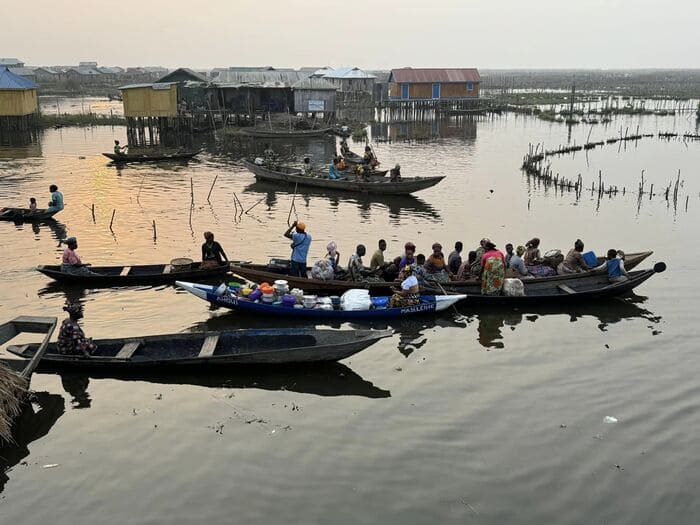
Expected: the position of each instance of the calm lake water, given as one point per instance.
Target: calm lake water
(472, 417)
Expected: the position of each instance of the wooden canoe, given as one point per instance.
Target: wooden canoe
(259, 273)
(428, 304)
(373, 187)
(592, 288)
(25, 214)
(132, 275)
(274, 134)
(119, 159)
(235, 347)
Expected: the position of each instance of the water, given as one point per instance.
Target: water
(485, 416)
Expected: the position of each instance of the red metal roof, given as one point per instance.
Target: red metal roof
(407, 75)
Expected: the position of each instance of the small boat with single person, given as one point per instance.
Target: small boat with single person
(270, 346)
(25, 214)
(151, 157)
(428, 304)
(375, 186)
(142, 274)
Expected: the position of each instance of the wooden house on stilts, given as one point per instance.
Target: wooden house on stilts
(19, 108)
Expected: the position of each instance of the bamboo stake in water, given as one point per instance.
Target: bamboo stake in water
(212, 187)
(93, 213)
(254, 205)
(112, 221)
(155, 236)
(192, 191)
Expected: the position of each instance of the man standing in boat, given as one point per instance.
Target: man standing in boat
(301, 241)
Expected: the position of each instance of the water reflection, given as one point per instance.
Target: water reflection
(395, 204)
(492, 321)
(33, 423)
(455, 127)
(323, 379)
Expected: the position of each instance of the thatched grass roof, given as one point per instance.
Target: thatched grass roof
(13, 388)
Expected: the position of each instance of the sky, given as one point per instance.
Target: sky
(371, 34)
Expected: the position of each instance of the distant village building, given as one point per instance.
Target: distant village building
(25, 72)
(11, 62)
(434, 84)
(348, 79)
(249, 90)
(45, 75)
(314, 95)
(83, 75)
(18, 103)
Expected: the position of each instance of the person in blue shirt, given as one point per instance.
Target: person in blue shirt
(56, 202)
(333, 172)
(301, 241)
(615, 267)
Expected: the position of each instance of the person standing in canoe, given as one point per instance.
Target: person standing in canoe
(56, 202)
(301, 241)
(213, 254)
(71, 338)
(120, 150)
(493, 270)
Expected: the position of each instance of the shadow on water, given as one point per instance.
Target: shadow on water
(395, 204)
(491, 321)
(410, 331)
(34, 422)
(58, 229)
(322, 379)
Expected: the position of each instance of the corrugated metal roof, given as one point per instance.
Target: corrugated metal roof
(276, 78)
(315, 84)
(23, 71)
(156, 85)
(10, 62)
(409, 75)
(187, 71)
(8, 80)
(343, 72)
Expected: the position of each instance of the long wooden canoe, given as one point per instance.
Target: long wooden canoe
(281, 134)
(263, 273)
(428, 304)
(373, 187)
(235, 347)
(25, 214)
(151, 157)
(132, 275)
(594, 287)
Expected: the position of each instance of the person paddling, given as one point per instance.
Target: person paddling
(213, 254)
(120, 150)
(301, 241)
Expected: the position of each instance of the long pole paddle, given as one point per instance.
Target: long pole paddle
(289, 216)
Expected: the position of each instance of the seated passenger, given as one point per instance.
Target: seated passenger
(71, 338)
(573, 262)
(409, 294)
(395, 174)
(71, 262)
(435, 267)
(517, 264)
(465, 270)
(615, 267)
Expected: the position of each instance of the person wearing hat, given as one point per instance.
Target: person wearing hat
(410, 290)
(395, 173)
(493, 270)
(71, 262)
(71, 338)
(301, 242)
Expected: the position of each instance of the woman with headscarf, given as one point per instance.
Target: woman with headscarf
(493, 270)
(409, 294)
(534, 261)
(71, 338)
(435, 266)
(333, 255)
(71, 262)
(573, 262)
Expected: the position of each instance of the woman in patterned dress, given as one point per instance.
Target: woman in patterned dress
(493, 270)
(71, 338)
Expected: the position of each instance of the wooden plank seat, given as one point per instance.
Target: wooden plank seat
(209, 345)
(566, 289)
(128, 350)
(125, 271)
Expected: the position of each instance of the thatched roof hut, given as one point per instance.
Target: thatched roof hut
(13, 388)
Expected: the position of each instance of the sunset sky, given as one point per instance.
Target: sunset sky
(367, 33)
